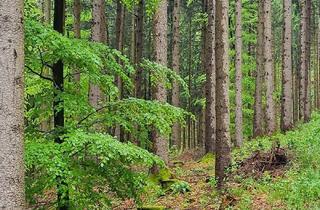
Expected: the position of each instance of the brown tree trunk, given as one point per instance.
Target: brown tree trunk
(258, 106)
(303, 60)
(287, 91)
(160, 144)
(138, 47)
(119, 46)
(238, 67)
(190, 79)
(307, 107)
(318, 66)
(176, 130)
(210, 116)
(77, 30)
(223, 144)
(269, 69)
(98, 35)
(12, 194)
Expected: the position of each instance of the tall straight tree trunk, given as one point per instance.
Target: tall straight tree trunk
(12, 194)
(318, 65)
(210, 116)
(119, 46)
(190, 79)
(160, 144)
(307, 107)
(176, 130)
(46, 9)
(269, 69)
(98, 35)
(287, 91)
(138, 48)
(223, 144)
(238, 67)
(303, 60)
(258, 128)
(77, 30)
(58, 102)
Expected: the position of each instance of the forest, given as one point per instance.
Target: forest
(159, 104)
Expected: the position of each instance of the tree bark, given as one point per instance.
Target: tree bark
(46, 9)
(210, 117)
(303, 60)
(119, 46)
(223, 144)
(269, 69)
(98, 35)
(238, 67)
(160, 144)
(287, 91)
(138, 47)
(12, 194)
(58, 102)
(176, 130)
(307, 107)
(258, 127)
(77, 30)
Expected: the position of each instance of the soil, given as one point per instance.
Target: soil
(274, 162)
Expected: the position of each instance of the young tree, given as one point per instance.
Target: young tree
(176, 130)
(268, 66)
(160, 144)
(209, 65)
(287, 91)
(98, 35)
(223, 144)
(258, 129)
(12, 194)
(238, 67)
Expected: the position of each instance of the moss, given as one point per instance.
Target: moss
(208, 158)
(163, 175)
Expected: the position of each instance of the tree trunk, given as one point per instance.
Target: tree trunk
(176, 130)
(223, 144)
(258, 128)
(303, 60)
(12, 194)
(58, 103)
(238, 67)
(77, 30)
(119, 46)
(160, 144)
(138, 46)
(269, 69)
(98, 35)
(307, 107)
(190, 79)
(210, 117)
(287, 91)
(46, 9)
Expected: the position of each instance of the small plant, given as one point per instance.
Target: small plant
(180, 187)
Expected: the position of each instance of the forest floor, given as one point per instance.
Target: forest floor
(278, 172)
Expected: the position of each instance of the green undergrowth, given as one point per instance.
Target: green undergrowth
(299, 187)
